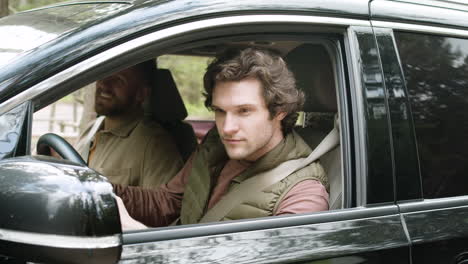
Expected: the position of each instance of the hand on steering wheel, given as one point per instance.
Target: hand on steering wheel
(53, 141)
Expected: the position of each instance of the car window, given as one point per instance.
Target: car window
(436, 73)
(62, 117)
(313, 63)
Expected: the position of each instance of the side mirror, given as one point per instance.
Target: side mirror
(56, 211)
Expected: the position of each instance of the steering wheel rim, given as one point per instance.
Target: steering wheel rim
(60, 145)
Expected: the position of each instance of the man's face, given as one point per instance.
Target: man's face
(119, 93)
(243, 121)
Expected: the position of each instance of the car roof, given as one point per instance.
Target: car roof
(55, 37)
(28, 30)
(51, 38)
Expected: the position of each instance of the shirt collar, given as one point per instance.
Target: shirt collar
(125, 128)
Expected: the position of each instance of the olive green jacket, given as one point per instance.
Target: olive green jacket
(209, 161)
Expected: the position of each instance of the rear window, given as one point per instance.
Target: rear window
(436, 73)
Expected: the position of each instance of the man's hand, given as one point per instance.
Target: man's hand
(127, 222)
(54, 153)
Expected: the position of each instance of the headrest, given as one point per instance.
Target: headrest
(166, 104)
(312, 67)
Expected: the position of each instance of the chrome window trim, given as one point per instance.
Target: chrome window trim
(449, 4)
(428, 205)
(60, 241)
(340, 84)
(167, 33)
(422, 28)
(358, 113)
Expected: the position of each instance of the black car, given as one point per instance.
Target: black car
(394, 73)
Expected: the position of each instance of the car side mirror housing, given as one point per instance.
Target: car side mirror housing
(56, 211)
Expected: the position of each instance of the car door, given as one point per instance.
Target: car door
(367, 228)
(425, 70)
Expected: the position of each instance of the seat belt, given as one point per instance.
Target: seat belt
(83, 145)
(249, 187)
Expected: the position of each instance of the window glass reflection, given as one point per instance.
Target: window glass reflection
(380, 180)
(404, 146)
(436, 73)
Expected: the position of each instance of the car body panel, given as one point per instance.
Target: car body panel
(403, 135)
(51, 207)
(380, 181)
(426, 12)
(437, 227)
(438, 230)
(353, 234)
(24, 32)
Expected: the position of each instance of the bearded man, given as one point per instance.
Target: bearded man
(121, 144)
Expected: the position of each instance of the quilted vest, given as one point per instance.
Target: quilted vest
(210, 159)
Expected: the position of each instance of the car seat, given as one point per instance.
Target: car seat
(167, 108)
(313, 69)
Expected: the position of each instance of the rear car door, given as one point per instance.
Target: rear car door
(426, 73)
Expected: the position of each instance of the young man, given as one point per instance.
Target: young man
(255, 101)
(120, 144)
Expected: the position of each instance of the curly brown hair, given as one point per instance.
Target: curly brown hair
(279, 86)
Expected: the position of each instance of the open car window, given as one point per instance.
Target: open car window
(312, 60)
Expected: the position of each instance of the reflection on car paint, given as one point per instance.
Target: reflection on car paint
(20, 34)
(404, 145)
(54, 190)
(309, 242)
(380, 184)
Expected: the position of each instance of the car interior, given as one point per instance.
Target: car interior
(314, 67)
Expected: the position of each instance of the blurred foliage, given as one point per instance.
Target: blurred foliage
(188, 74)
(22, 5)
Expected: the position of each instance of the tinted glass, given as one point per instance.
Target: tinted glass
(436, 73)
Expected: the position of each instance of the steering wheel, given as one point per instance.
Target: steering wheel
(60, 145)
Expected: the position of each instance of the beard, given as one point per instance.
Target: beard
(113, 106)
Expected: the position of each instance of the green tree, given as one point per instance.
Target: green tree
(436, 73)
